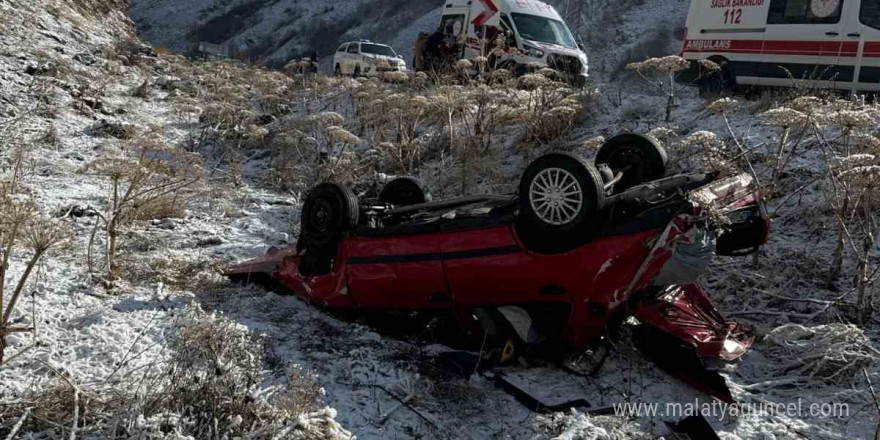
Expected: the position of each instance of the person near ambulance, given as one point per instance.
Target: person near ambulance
(441, 49)
(533, 31)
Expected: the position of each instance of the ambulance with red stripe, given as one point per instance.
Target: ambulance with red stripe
(535, 34)
(831, 44)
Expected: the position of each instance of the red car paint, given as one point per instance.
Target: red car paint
(489, 266)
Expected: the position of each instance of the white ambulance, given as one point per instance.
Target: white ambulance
(832, 44)
(537, 34)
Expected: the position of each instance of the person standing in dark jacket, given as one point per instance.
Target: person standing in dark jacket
(433, 50)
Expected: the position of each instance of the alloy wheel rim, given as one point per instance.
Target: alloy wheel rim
(556, 196)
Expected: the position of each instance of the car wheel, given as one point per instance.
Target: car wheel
(329, 211)
(560, 192)
(638, 157)
(338, 70)
(404, 191)
(357, 71)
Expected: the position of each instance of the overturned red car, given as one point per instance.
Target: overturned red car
(580, 246)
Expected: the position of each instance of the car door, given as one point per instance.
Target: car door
(351, 57)
(339, 57)
(804, 42)
(402, 272)
(867, 29)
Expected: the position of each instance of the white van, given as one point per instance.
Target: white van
(535, 28)
(832, 44)
(365, 58)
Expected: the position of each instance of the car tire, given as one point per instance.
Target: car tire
(338, 70)
(640, 158)
(404, 191)
(357, 71)
(559, 193)
(330, 210)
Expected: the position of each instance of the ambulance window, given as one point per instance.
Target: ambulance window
(353, 48)
(507, 22)
(804, 12)
(870, 14)
(342, 48)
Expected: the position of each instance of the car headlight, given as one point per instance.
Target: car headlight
(533, 51)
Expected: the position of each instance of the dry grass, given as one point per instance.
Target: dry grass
(145, 179)
(834, 354)
(23, 228)
(204, 390)
(302, 392)
(172, 205)
(181, 272)
(115, 130)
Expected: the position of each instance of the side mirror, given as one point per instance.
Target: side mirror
(582, 47)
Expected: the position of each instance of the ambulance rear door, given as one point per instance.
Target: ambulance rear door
(456, 21)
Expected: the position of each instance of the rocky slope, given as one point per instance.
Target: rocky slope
(278, 30)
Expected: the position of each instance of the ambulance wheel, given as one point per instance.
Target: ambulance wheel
(329, 211)
(559, 196)
(404, 191)
(718, 82)
(638, 157)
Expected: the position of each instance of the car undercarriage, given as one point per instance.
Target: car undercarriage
(554, 269)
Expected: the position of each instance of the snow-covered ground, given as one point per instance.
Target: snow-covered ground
(92, 336)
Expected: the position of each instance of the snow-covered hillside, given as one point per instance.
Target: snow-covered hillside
(75, 90)
(274, 30)
(280, 30)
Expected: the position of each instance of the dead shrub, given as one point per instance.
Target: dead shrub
(115, 130)
(207, 388)
(51, 138)
(549, 113)
(131, 51)
(302, 392)
(661, 73)
(165, 206)
(182, 272)
(143, 175)
(22, 226)
(834, 354)
(143, 91)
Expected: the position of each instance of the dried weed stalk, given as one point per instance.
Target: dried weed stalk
(146, 173)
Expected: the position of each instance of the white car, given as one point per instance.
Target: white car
(365, 58)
